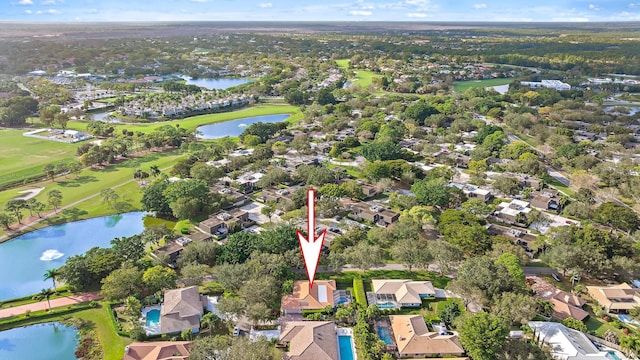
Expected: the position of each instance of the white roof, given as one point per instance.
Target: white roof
(567, 343)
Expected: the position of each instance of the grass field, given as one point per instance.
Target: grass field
(22, 157)
(193, 122)
(91, 182)
(364, 78)
(343, 63)
(462, 86)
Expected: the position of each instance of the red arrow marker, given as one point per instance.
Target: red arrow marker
(311, 247)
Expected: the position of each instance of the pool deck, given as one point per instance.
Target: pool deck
(150, 330)
(347, 332)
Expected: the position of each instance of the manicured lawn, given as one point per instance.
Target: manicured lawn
(343, 63)
(91, 182)
(561, 187)
(112, 343)
(22, 157)
(462, 86)
(193, 122)
(61, 292)
(364, 78)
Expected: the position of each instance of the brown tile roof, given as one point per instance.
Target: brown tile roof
(315, 340)
(310, 299)
(414, 338)
(182, 309)
(564, 304)
(616, 297)
(158, 350)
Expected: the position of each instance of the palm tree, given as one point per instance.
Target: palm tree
(154, 170)
(46, 293)
(52, 274)
(208, 321)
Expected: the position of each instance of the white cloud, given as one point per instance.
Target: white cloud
(200, 1)
(634, 5)
(266, 5)
(417, 15)
(28, 12)
(52, 2)
(480, 6)
(593, 7)
(48, 12)
(25, 2)
(360, 13)
(570, 19)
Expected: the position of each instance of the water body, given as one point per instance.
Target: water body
(39, 342)
(219, 83)
(236, 127)
(25, 259)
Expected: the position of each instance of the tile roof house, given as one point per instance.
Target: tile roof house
(616, 298)
(324, 293)
(565, 343)
(182, 309)
(565, 305)
(402, 293)
(413, 338)
(158, 350)
(315, 340)
(519, 236)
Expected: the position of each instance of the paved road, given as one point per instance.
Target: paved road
(42, 305)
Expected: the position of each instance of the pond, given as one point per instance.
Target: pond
(25, 259)
(219, 83)
(37, 342)
(236, 127)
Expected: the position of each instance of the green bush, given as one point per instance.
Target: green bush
(359, 293)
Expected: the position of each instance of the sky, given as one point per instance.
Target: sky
(322, 10)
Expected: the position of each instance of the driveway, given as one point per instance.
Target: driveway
(42, 305)
(254, 212)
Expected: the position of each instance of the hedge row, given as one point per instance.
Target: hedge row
(112, 316)
(359, 293)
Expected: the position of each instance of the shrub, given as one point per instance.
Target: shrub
(359, 293)
(27, 313)
(137, 333)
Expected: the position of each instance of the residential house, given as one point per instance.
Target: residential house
(565, 305)
(473, 192)
(368, 189)
(223, 222)
(514, 212)
(276, 195)
(453, 159)
(413, 338)
(546, 199)
(158, 350)
(174, 247)
(616, 298)
(182, 309)
(400, 293)
(323, 293)
(237, 198)
(375, 213)
(519, 236)
(565, 343)
(305, 340)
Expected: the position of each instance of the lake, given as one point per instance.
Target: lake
(25, 259)
(236, 127)
(219, 83)
(38, 342)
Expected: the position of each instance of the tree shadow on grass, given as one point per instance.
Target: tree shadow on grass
(78, 181)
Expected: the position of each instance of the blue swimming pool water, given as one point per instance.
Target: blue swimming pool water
(614, 356)
(346, 349)
(153, 318)
(384, 335)
(624, 318)
(386, 306)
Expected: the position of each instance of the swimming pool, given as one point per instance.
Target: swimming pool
(614, 356)
(386, 306)
(384, 335)
(153, 318)
(346, 347)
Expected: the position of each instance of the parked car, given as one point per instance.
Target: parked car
(555, 277)
(236, 331)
